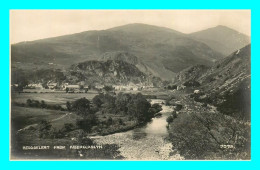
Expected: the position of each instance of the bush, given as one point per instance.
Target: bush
(178, 107)
(87, 122)
(120, 121)
(109, 121)
(68, 105)
(68, 127)
(108, 88)
(174, 115)
(191, 83)
(169, 119)
(44, 129)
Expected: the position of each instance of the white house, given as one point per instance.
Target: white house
(52, 85)
(196, 91)
(35, 86)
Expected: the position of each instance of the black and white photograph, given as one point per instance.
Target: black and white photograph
(164, 85)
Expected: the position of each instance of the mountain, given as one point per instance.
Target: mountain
(222, 39)
(163, 51)
(227, 84)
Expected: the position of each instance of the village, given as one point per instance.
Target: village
(53, 87)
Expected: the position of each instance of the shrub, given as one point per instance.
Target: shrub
(191, 83)
(68, 127)
(169, 119)
(87, 122)
(44, 129)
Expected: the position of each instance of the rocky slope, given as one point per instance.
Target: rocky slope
(105, 72)
(227, 84)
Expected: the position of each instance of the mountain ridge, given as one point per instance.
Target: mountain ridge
(161, 51)
(158, 48)
(222, 39)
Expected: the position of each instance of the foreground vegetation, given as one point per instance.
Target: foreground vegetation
(200, 131)
(105, 114)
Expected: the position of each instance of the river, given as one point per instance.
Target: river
(146, 142)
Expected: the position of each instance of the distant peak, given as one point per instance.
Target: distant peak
(224, 27)
(142, 26)
(221, 26)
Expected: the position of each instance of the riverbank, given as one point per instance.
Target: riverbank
(147, 142)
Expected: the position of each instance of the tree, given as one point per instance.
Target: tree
(157, 107)
(174, 115)
(29, 102)
(68, 127)
(81, 106)
(44, 128)
(109, 121)
(43, 104)
(191, 83)
(108, 88)
(139, 107)
(169, 119)
(97, 100)
(122, 99)
(87, 122)
(68, 105)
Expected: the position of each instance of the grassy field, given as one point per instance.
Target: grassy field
(52, 98)
(24, 116)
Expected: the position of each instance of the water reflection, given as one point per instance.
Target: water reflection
(156, 127)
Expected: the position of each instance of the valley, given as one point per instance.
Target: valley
(138, 92)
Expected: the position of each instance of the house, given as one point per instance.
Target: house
(64, 85)
(14, 85)
(135, 88)
(72, 88)
(34, 86)
(196, 91)
(99, 87)
(52, 85)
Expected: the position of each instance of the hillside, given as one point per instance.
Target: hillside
(222, 39)
(192, 73)
(227, 84)
(163, 51)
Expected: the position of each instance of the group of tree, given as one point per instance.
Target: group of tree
(23, 78)
(192, 83)
(39, 104)
(171, 87)
(133, 106)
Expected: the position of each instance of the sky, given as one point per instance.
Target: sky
(28, 25)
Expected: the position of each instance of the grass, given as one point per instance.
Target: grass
(52, 98)
(24, 116)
